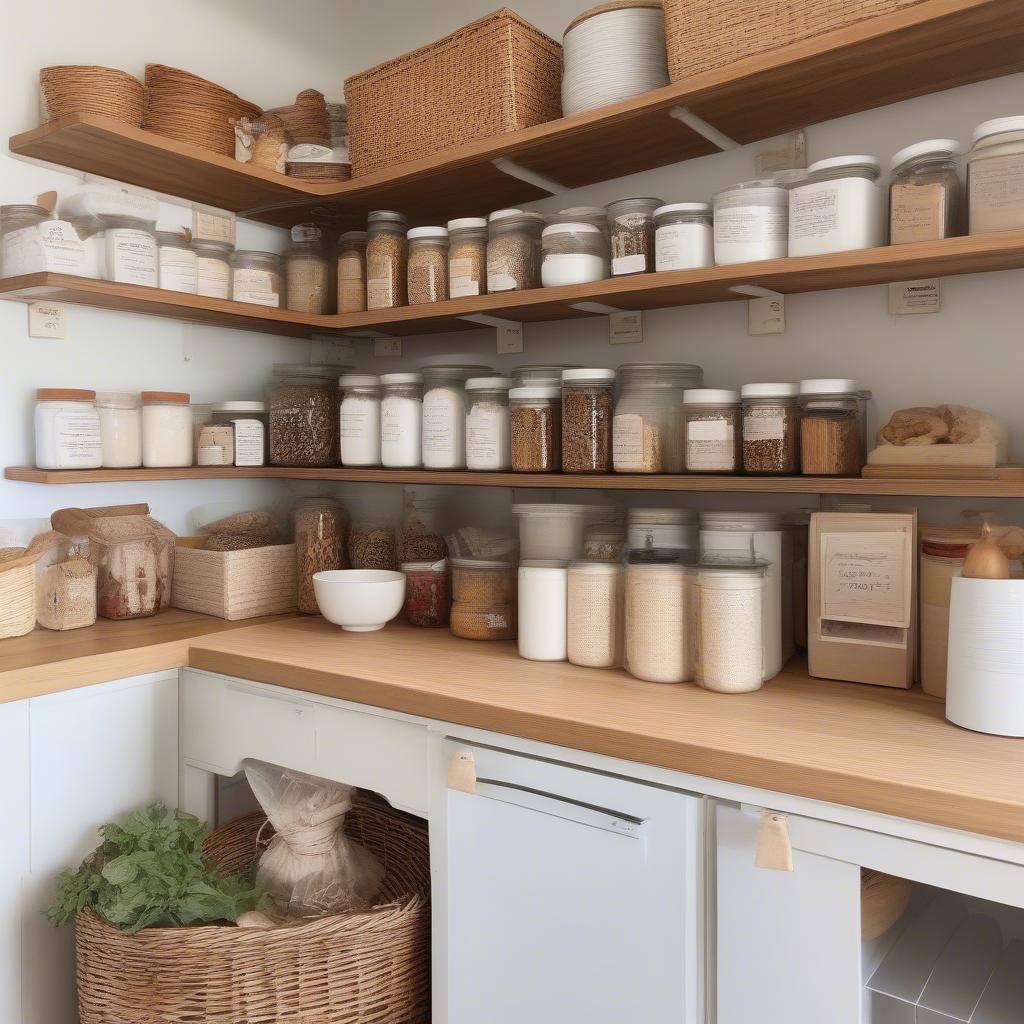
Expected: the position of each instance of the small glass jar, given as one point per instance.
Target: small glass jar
(428, 265)
(251, 424)
(771, 428)
(213, 268)
(488, 425)
(320, 527)
(256, 277)
(573, 253)
(535, 415)
(401, 420)
(177, 268)
(660, 535)
(167, 432)
(67, 429)
(444, 415)
(387, 260)
(730, 616)
(587, 410)
(925, 192)
(467, 257)
(513, 250)
(120, 429)
(683, 236)
(713, 430)
(631, 231)
(360, 419)
(995, 176)
(660, 622)
(131, 251)
(647, 432)
(604, 542)
(595, 614)
(751, 222)
(352, 272)
(307, 271)
(832, 436)
(303, 403)
(427, 593)
(483, 599)
(541, 374)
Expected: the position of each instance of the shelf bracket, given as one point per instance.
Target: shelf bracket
(595, 307)
(541, 181)
(488, 321)
(701, 127)
(755, 291)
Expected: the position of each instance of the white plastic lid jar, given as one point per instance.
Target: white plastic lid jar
(359, 422)
(661, 534)
(552, 531)
(751, 222)
(631, 232)
(731, 646)
(488, 424)
(120, 416)
(67, 429)
(166, 429)
(574, 253)
(995, 176)
(535, 417)
(401, 420)
(713, 429)
(839, 207)
(542, 600)
(683, 236)
(925, 192)
(444, 414)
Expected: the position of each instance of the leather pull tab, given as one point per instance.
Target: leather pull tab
(774, 850)
(462, 772)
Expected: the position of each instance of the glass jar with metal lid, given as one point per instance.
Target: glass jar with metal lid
(574, 253)
(488, 424)
(535, 414)
(256, 277)
(587, 412)
(631, 233)
(401, 420)
(683, 236)
(428, 265)
(751, 222)
(467, 257)
(832, 429)
(995, 176)
(387, 260)
(359, 437)
(771, 428)
(514, 250)
(16, 216)
(713, 430)
(352, 272)
(309, 285)
(925, 192)
(303, 404)
(213, 268)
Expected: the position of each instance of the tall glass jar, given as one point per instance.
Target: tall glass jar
(120, 416)
(213, 268)
(535, 414)
(587, 420)
(513, 250)
(995, 176)
(925, 192)
(256, 277)
(647, 432)
(320, 527)
(751, 222)
(683, 236)
(467, 257)
(771, 428)
(352, 272)
(307, 271)
(359, 437)
(488, 426)
(713, 430)
(444, 415)
(730, 616)
(631, 227)
(595, 614)
(428, 265)
(303, 404)
(573, 253)
(832, 438)
(387, 260)
(401, 420)
(167, 429)
(660, 622)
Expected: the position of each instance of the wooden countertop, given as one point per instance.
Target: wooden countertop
(869, 747)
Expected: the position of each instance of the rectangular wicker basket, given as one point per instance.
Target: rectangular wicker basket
(234, 584)
(704, 35)
(496, 75)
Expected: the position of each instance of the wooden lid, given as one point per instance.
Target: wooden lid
(175, 397)
(65, 395)
(615, 5)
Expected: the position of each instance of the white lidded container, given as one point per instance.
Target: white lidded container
(595, 614)
(213, 268)
(488, 424)
(120, 416)
(684, 238)
(925, 192)
(67, 429)
(167, 433)
(840, 206)
(444, 414)
(177, 267)
(751, 222)
(543, 588)
(131, 251)
(660, 622)
(713, 430)
(552, 531)
(655, 533)
(995, 176)
(359, 421)
(729, 611)
(401, 420)
(573, 253)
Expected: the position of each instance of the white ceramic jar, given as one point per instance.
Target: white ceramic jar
(166, 429)
(751, 222)
(683, 236)
(401, 420)
(67, 429)
(542, 610)
(488, 425)
(120, 429)
(360, 419)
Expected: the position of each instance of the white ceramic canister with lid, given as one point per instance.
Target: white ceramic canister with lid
(751, 222)
(543, 589)
(359, 421)
(401, 420)
(488, 424)
(120, 417)
(67, 429)
(995, 175)
(683, 236)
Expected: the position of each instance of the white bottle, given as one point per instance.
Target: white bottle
(543, 603)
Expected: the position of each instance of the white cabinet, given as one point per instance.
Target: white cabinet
(563, 895)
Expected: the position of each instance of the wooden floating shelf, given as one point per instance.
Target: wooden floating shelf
(924, 48)
(553, 481)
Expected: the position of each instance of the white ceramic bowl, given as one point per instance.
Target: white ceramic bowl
(359, 600)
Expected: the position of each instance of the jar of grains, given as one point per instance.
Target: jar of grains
(359, 423)
(540, 373)
(387, 260)
(176, 263)
(483, 599)
(120, 416)
(352, 272)
(67, 429)
(683, 236)
(303, 404)
(662, 535)
(713, 428)
(488, 425)
(573, 253)
(730, 644)
(535, 414)
(444, 414)
(995, 176)
(320, 525)
(631, 231)
(401, 420)
(831, 428)
(513, 250)
(925, 193)
(428, 265)
(167, 429)
(427, 593)
(213, 268)
(660, 622)
(604, 542)
(771, 428)
(751, 222)
(467, 257)
(595, 614)
(307, 271)
(372, 544)
(587, 420)
(542, 610)
(647, 432)
(256, 277)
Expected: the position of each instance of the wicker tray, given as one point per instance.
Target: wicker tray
(87, 89)
(496, 75)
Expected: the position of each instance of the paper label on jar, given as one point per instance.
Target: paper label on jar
(814, 211)
(178, 272)
(53, 246)
(499, 281)
(764, 428)
(131, 257)
(628, 454)
(634, 264)
(461, 280)
(249, 443)
(683, 246)
(996, 192)
(255, 286)
(865, 578)
(214, 277)
(756, 224)
(485, 432)
(711, 445)
(76, 438)
(918, 213)
(379, 293)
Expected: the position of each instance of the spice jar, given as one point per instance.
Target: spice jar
(660, 622)
(662, 535)
(535, 414)
(647, 431)
(831, 428)
(751, 222)
(387, 260)
(587, 420)
(925, 193)
(483, 599)
(213, 268)
(513, 250)
(67, 429)
(427, 593)
(730, 616)
(256, 277)
(167, 432)
(595, 614)
(120, 416)
(771, 428)
(488, 424)
(428, 265)
(631, 231)
(683, 236)
(352, 272)
(320, 524)
(573, 253)
(995, 176)
(131, 251)
(713, 428)
(444, 415)
(467, 257)
(543, 587)
(303, 415)
(176, 259)
(307, 271)
(401, 420)
(360, 419)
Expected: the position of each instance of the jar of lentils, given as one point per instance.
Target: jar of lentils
(467, 257)
(387, 260)
(535, 413)
(428, 265)
(771, 428)
(513, 250)
(712, 438)
(587, 407)
(631, 230)
(352, 272)
(307, 271)
(303, 415)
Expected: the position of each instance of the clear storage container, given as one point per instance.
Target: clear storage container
(177, 266)
(67, 429)
(467, 257)
(428, 265)
(33, 241)
(771, 428)
(542, 600)
(303, 403)
(514, 250)
(832, 434)
(488, 424)
(683, 236)
(660, 622)
(131, 251)
(309, 287)
(427, 593)
(213, 268)
(359, 438)
(483, 599)
(662, 535)
(587, 412)
(713, 428)
(134, 560)
(604, 542)
(751, 222)
(540, 373)
(925, 192)
(320, 528)
(995, 176)
(256, 277)
(631, 233)
(552, 531)
(167, 434)
(444, 414)
(574, 253)
(595, 614)
(352, 272)
(535, 415)
(730, 639)
(387, 260)
(120, 416)
(401, 420)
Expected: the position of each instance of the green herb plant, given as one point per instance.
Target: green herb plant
(149, 873)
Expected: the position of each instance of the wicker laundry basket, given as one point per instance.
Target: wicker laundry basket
(68, 89)
(363, 968)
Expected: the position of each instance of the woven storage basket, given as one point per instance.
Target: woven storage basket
(367, 968)
(497, 75)
(319, 172)
(704, 35)
(17, 601)
(68, 89)
(234, 584)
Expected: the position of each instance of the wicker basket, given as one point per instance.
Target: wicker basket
(497, 75)
(368, 968)
(234, 584)
(69, 89)
(319, 172)
(704, 35)
(17, 601)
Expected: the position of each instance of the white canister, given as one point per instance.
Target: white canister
(131, 252)
(167, 432)
(176, 259)
(67, 429)
(573, 253)
(751, 222)
(444, 415)
(543, 588)
(120, 429)
(488, 424)
(553, 531)
(401, 420)
(360, 419)
(683, 236)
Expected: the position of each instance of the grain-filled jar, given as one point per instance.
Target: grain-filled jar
(303, 418)
(647, 431)
(427, 593)
(542, 600)
(131, 251)
(730, 639)
(587, 410)
(595, 614)
(488, 424)
(401, 420)
(308, 272)
(256, 277)
(995, 176)
(444, 414)
(167, 432)
(428, 265)
(120, 415)
(683, 236)
(839, 207)
(359, 422)
(631, 235)
(832, 437)
(176, 263)
(604, 542)
(467, 257)
(483, 599)
(320, 527)
(925, 192)
(352, 272)
(67, 429)
(751, 222)
(535, 418)
(771, 428)
(387, 260)
(213, 268)
(660, 622)
(573, 253)
(712, 432)
(514, 250)
(662, 535)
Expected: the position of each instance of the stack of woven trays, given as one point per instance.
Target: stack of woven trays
(69, 89)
